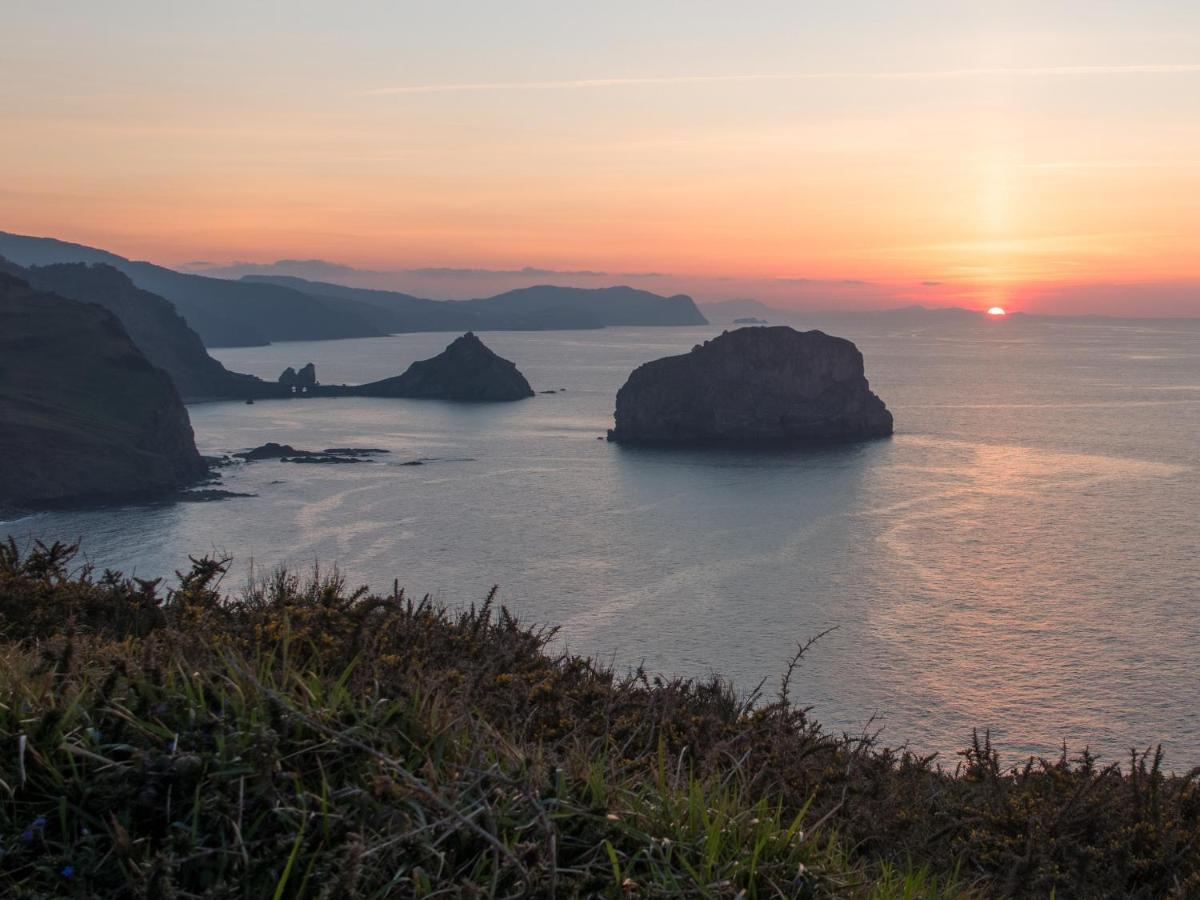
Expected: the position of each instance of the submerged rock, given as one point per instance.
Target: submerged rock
(771, 385)
(466, 370)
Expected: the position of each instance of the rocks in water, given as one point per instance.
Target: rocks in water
(301, 381)
(770, 385)
(209, 495)
(85, 418)
(354, 451)
(288, 453)
(466, 370)
(269, 450)
(320, 459)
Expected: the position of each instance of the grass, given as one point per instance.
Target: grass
(302, 739)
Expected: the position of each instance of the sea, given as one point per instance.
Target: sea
(1021, 558)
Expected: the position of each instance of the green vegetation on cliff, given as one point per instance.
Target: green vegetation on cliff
(306, 740)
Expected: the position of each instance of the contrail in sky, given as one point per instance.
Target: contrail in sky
(943, 74)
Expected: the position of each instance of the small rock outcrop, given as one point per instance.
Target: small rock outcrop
(269, 450)
(466, 370)
(85, 418)
(303, 380)
(288, 453)
(769, 385)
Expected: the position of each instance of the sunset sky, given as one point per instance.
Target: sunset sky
(1045, 156)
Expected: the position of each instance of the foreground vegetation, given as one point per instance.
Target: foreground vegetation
(306, 740)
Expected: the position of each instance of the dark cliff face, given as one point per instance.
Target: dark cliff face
(753, 385)
(223, 313)
(152, 323)
(466, 370)
(84, 416)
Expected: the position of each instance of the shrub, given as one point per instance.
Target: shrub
(305, 739)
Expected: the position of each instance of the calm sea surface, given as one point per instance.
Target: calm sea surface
(1024, 554)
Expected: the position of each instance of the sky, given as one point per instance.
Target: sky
(1040, 156)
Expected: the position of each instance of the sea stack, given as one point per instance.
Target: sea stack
(466, 370)
(753, 385)
(85, 418)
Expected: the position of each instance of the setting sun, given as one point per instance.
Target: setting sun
(997, 311)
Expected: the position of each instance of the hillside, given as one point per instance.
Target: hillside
(257, 310)
(151, 322)
(305, 740)
(400, 313)
(224, 313)
(610, 306)
(542, 307)
(84, 416)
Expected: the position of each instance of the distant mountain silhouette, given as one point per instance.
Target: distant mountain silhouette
(740, 307)
(397, 313)
(256, 310)
(611, 306)
(151, 322)
(224, 313)
(535, 308)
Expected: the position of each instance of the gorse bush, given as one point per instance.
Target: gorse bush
(303, 739)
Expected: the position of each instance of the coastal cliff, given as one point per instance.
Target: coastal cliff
(84, 416)
(773, 385)
(152, 323)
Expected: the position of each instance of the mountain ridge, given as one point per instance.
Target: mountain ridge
(257, 310)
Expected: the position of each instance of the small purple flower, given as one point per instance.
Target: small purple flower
(68, 871)
(39, 822)
(27, 836)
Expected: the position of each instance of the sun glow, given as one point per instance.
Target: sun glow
(997, 311)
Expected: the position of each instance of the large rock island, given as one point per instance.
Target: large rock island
(466, 370)
(769, 385)
(84, 416)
